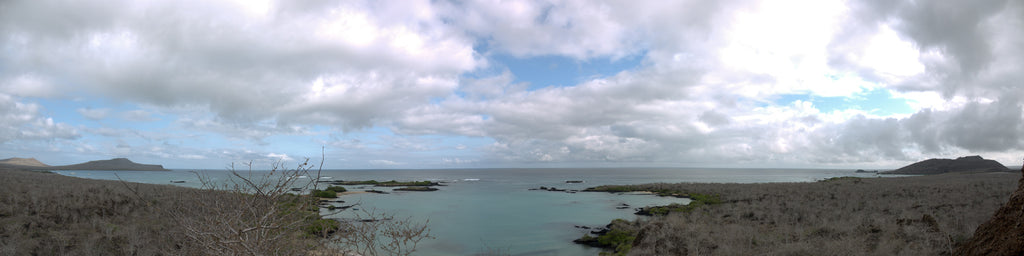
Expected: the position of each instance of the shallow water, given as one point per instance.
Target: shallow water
(485, 210)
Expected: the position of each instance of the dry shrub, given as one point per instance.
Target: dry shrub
(376, 233)
(925, 215)
(49, 214)
(250, 215)
(258, 215)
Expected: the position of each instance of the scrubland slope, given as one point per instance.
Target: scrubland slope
(924, 215)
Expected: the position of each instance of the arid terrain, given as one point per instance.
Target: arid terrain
(923, 215)
(49, 214)
(43, 214)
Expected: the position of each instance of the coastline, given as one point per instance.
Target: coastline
(873, 204)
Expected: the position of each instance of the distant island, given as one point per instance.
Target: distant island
(116, 164)
(21, 162)
(962, 164)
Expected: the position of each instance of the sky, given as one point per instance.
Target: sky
(202, 84)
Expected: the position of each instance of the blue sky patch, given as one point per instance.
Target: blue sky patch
(876, 101)
(561, 71)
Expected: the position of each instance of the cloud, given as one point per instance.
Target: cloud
(324, 64)
(981, 127)
(280, 157)
(138, 116)
(709, 102)
(26, 85)
(457, 161)
(379, 162)
(21, 121)
(94, 114)
(966, 48)
(709, 88)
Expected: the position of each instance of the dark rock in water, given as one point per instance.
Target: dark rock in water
(374, 220)
(343, 207)
(863, 171)
(553, 189)
(377, 191)
(574, 181)
(582, 227)
(1003, 234)
(177, 181)
(423, 189)
(962, 164)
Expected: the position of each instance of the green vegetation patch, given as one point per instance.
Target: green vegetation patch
(336, 189)
(318, 227)
(696, 201)
(617, 237)
(613, 189)
(356, 182)
(635, 188)
(324, 194)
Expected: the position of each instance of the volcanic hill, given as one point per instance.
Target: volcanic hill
(962, 164)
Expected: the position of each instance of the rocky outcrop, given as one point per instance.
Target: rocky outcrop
(962, 164)
(1004, 233)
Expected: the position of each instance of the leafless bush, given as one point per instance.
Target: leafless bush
(262, 217)
(376, 233)
(250, 215)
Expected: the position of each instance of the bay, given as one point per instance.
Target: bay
(483, 211)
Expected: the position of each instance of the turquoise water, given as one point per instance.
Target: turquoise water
(494, 210)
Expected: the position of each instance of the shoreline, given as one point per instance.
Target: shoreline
(804, 211)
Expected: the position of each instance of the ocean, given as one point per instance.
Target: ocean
(494, 210)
